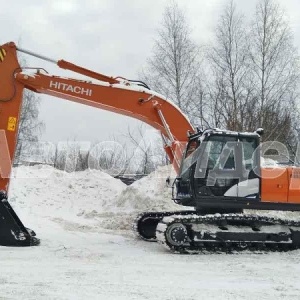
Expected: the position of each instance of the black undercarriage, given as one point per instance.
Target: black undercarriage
(217, 224)
(193, 232)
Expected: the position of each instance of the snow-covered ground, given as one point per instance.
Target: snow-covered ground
(88, 251)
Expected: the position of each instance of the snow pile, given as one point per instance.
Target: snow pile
(43, 191)
(87, 200)
(92, 200)
(151, 193)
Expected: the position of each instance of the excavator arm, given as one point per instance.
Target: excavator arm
(113, 94)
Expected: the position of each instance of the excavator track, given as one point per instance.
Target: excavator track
(229, 233)
(144, 225)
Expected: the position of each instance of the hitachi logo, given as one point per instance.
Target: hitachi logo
(70, 88)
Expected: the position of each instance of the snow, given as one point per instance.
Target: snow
(80, 257)
(269, 163)
(148, 193)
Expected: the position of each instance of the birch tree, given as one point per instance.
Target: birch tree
(228, 58)
(275, 68)
(173, 69)
(30, 126)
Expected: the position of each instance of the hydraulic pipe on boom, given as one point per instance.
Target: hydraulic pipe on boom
(63, 64)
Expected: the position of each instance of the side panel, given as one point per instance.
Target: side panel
(294, 185)
(274, 185)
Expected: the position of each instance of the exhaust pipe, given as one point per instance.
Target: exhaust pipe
(12, 231)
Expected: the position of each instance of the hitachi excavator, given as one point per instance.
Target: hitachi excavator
(219, 172)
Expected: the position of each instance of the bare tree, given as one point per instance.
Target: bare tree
(148, 151)
(110, 157)
(39, 152)
(174, 66)
(275, 68)
(67, 156)
(30, 127)
(228, 57)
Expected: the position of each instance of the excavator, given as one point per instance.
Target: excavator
(219, 172)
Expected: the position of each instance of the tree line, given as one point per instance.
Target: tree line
(246, 78)
(139, 156)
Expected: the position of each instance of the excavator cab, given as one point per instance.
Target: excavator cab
(219, 167)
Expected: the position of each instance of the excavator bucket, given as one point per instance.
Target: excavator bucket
(12, 230)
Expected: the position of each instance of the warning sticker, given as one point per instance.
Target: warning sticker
(12, 122)
(2, 54)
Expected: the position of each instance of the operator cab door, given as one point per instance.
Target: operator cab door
(184, 183)
(224, 167)
(249, 184)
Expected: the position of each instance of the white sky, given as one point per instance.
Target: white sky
(113, 37)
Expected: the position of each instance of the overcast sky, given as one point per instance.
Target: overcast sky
(114, 37)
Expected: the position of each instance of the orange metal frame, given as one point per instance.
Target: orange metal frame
(280, 184)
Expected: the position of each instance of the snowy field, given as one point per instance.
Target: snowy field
(88, 251)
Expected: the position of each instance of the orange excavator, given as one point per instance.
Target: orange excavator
(219, 172)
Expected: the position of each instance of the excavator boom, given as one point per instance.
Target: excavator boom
(113, 94)
(119, 96)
